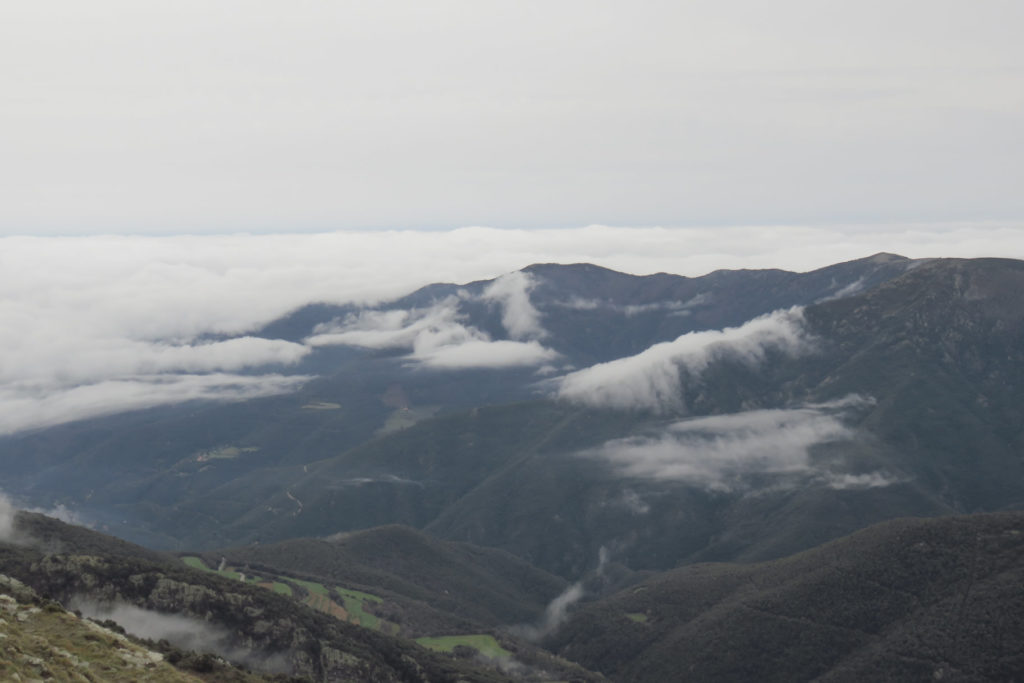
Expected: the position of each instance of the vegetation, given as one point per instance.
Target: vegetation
(271, 628)
(904, 600)
(482, 643)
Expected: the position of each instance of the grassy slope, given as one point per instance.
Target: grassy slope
(483, 585)
(257, 619)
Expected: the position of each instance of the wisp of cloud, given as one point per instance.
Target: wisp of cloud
(721, 452)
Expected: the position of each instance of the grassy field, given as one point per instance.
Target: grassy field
(353, 600)
(197, 563)
(319, 596)
(485, 644)
(311, 586)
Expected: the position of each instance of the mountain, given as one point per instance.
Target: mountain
(486, 586)
(894, 391)
(163, 599)
(138, 474)
(907, 600)
(40, 640)
(465, 463)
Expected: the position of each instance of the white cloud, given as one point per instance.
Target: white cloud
(185, 632)
(424, 329)
(33, 406)
(520, 318)
(673, 307)
(7, 513)
(651, 379)
(721, 452)
(436, 336)
(485, 354)
(96, 308)
(869, 480)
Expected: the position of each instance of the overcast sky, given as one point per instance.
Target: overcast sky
(269, 116)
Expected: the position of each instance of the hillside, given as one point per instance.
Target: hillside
(895, 391)
(137, 474)
(242, 622)
(907, 600)
(486, 586)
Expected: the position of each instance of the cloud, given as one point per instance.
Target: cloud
(186, 633)
(722, 452)
(7, 513)
(672, 307)
(437, 337)
(651, 379)
(108, 358)
(485, 354)
(869, 480)
(555, 614)
(91, 309)
(632, 502)
(29, 407)
(520, 318)
(427, 328)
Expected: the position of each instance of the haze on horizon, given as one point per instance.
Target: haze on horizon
(257, 116)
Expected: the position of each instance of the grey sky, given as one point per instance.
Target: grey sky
(219, 116)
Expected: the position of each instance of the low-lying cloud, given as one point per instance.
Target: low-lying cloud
(186, 633)
(651, 380)
(866, 480)
(7, 513)
(512, 291)
(721, 452)
(26, 406)
(100, 308)
(439, 337)
(577, 303)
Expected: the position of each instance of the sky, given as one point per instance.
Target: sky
(119, 116)
(175, 169)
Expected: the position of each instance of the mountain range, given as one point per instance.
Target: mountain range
(532, 457)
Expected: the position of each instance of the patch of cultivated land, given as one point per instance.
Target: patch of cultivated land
(354, 600)
(483, 643)
(317, 596)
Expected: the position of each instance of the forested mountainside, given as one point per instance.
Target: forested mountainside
(464, 465)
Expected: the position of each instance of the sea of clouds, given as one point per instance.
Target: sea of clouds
(100, 324)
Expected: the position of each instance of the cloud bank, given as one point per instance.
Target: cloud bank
(34, 406)
(722, 452)
(651, 380)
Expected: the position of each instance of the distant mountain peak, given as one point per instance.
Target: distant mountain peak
(885, 257)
